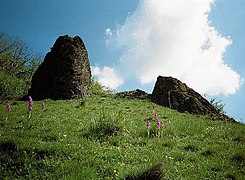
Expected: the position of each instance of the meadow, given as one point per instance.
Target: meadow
(104, 137)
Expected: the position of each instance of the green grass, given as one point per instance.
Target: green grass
(106, 138)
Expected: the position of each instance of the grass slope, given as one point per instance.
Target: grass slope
(106, 138)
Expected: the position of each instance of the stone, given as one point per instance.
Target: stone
(154, 173)
(172, 93)
(135, 94)
(65, 72)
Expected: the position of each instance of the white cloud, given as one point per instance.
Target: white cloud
(107, 77)
(108, 32)
(175, 38)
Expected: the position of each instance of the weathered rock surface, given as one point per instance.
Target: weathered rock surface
(135, 94)
(172, 93)
(65, 72)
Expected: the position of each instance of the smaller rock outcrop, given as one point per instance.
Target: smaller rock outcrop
(136, 94)
(154, 173)
(172, 93)
(65, 72)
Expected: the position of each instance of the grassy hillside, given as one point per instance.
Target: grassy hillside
(107, 138)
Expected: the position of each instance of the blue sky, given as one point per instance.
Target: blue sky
(133, 41)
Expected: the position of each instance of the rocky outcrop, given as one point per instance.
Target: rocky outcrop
(65, 72)
(154, 173)
(172, 93)
(136, 94)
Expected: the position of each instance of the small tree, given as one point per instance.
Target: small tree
(218, 105)
(17, 65)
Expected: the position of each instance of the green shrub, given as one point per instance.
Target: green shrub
(98, 89)
(11, 87)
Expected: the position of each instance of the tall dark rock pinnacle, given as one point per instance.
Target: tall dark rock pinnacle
(65, 72)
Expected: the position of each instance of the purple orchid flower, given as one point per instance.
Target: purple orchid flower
(158, 124)
(8, 106)
(43, 105)
(148, 124)
(30, 103)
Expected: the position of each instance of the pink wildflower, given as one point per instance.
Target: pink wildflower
(30, 103)
(8, 106)
(158, 124)
(148, 124)
(43, 105)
